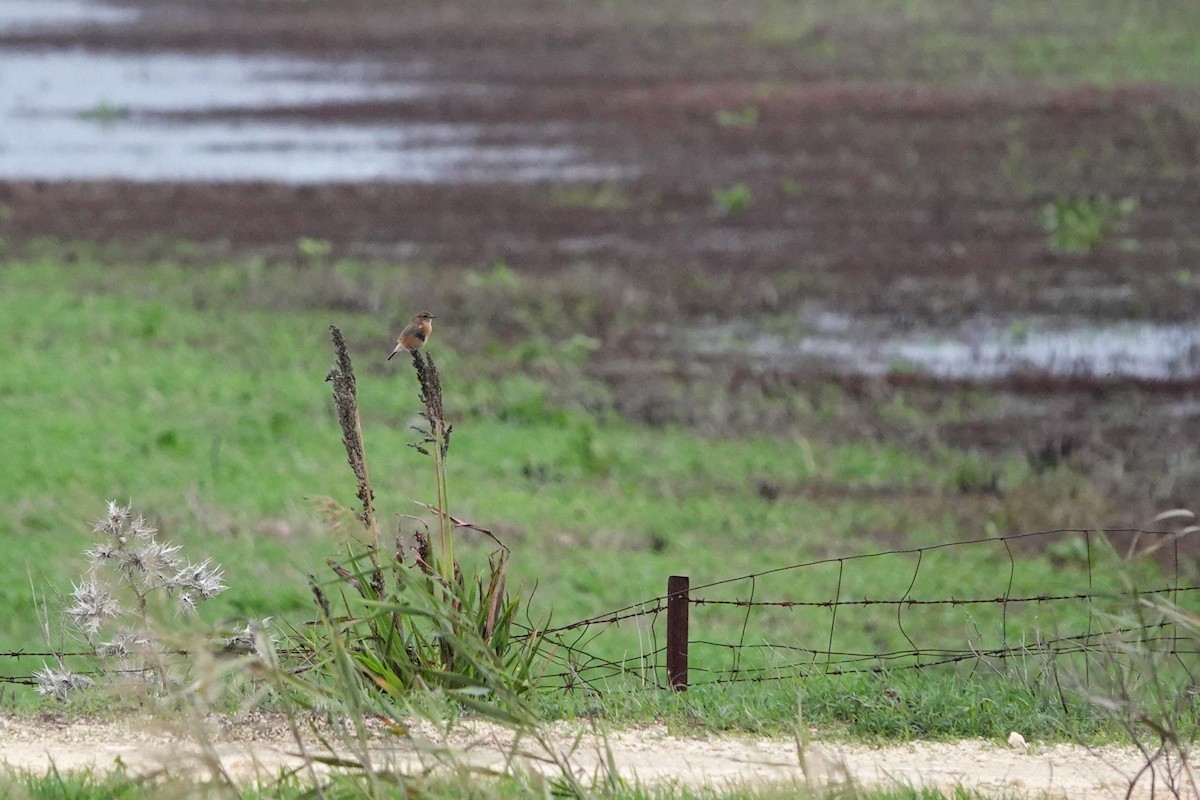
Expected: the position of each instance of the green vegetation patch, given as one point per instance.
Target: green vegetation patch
(1102, 42)
(206, 407)
(120, 786)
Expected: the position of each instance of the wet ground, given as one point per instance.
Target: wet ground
(80, 114)
(782, 201)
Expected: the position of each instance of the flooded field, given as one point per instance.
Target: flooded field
(731, 197)
(78, 114)
(40, 14)
(980, 349)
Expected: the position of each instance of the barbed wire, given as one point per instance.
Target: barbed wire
(568, 649)
(657, 604)
(800, 669)
(827, 660)
(1040, 598)
(1040, 644)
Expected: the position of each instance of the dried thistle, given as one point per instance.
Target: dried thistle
(137, 565)
(125, 644)
(144, 564)
(94, 604)
(59, 683)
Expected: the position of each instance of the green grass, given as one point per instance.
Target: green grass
(191, 397)
(119, 786)
(603, 197)
(1102, 42)
(904, 705)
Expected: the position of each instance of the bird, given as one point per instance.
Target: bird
(415, 334)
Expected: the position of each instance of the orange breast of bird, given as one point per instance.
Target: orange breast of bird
(415, 335)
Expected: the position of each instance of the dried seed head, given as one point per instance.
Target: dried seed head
(113, 522)
(203, 579)
(94, 603)
(59, 683)
(125, 644)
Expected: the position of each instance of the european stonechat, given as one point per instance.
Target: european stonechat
(415, 334)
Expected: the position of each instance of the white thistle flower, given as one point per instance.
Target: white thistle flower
(140, 564)
(101, 553)
(157, 562)
(141, 528)
(186, 604)
(202, 579)
(94, 603)
(246, 640)
(58, 683)
(124, 644)
(113, 522)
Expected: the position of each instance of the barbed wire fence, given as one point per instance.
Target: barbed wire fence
(734, 630)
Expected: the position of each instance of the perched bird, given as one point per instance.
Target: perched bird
(415, 334)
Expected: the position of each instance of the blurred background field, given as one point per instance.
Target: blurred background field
(719, 287)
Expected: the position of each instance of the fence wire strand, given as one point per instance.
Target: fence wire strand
(570, 649)
(834, 662)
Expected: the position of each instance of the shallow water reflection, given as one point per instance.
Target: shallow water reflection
(83, 115)
(25, 14)
(984, 348)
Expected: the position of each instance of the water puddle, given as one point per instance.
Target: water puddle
(85, 115)
(16, 15)
(981, 349)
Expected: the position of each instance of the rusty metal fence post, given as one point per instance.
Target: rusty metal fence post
(677, 631)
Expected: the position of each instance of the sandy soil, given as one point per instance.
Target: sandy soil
(261, 747)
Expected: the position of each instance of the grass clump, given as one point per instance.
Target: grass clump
(1080, 225)
(732, 200)
(898, 705)
(415, 619)
(1149, 691)
(90, 785)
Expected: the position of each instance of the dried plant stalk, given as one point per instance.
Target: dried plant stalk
(345, 400)
(437, 444)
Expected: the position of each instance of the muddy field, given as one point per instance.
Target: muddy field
(720, 171)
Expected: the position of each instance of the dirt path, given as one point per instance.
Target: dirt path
(261, 747)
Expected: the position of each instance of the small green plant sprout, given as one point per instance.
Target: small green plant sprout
(732, 200)
(314, 250)
(747, 117)
(131, 578)
(605, 197)
(791, 187)
(1018, 331)
(1080, 225)
(105, 113)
